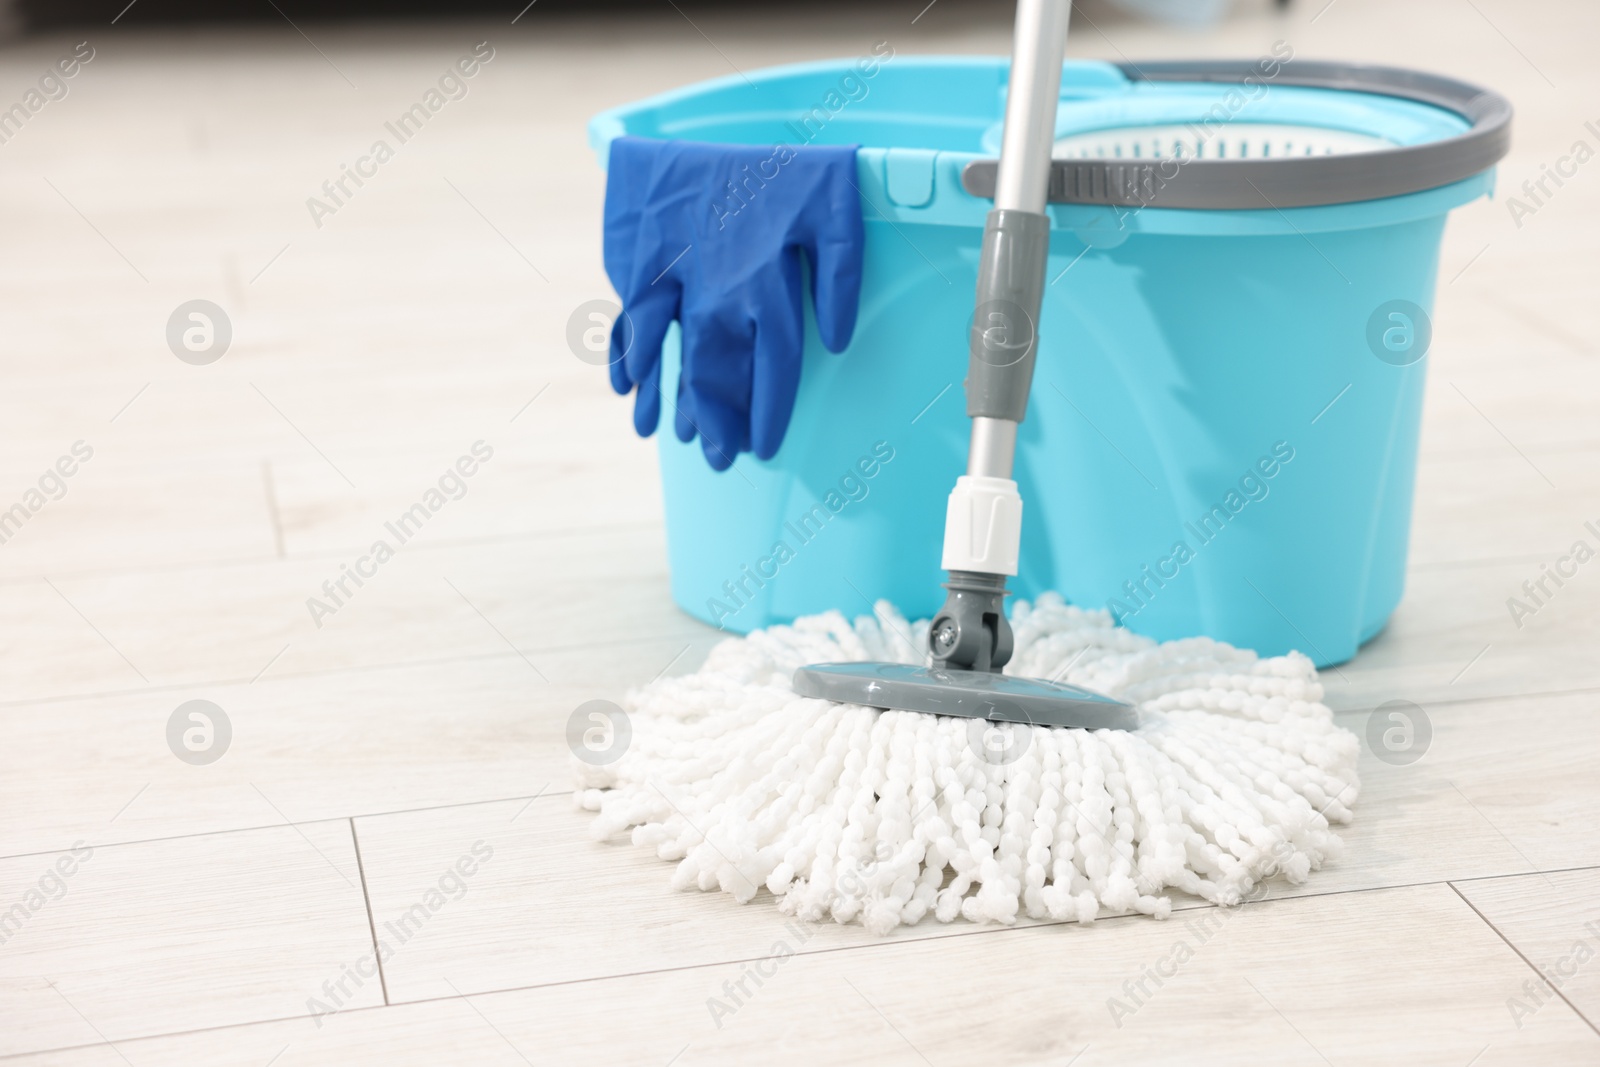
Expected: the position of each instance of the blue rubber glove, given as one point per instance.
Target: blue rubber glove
(711, 236)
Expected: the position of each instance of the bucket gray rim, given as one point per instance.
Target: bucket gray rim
(1309, 181)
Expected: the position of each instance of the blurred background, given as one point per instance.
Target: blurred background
(369, 347)
(370, 344)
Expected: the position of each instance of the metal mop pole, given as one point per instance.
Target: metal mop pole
(983, 520)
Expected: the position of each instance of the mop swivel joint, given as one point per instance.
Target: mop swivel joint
(982, 537)
(971, 632)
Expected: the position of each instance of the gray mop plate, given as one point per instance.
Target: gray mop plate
(970, 694)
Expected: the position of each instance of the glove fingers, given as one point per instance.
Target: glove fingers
(690, 359)
(779, 346)
(835, 251)
(716, 458)
(711, 422)
(716, 381)
(651, 314)
(714, 397)
(721, 435)
(622, 338)
(740, 295)
(683, 423)
(640, 364)
(647, 405)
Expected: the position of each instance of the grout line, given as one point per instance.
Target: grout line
(1462, 564)
(545, 794)
(1483, 698)
(977, 931)
(372, 926)
(342, 552)
(304, 837)
(272, 507)
(478, 657)
(1537, 322)
(408, 664)
(308, 822)
(326, 672)
(176, 837)
(1523, 957)
(1477, 453)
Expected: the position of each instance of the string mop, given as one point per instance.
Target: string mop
(1237, 773)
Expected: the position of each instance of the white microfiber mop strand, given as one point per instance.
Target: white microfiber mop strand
(883, 817)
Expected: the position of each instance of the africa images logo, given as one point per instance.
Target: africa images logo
(853, 487)
(1253, 487)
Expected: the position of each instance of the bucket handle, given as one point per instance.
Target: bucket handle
(1234, 184)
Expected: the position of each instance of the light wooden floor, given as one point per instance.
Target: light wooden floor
(421, 727)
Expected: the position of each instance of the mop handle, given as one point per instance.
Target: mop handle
(983, 517)
(1016, 239)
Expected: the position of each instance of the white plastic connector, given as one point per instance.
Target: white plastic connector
(983, 526)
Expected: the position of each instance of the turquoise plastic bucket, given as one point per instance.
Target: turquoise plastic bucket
(1222, 435)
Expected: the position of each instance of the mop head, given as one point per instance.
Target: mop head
(885, 817)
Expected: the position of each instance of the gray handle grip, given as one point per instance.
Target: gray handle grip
(1005, 327)
(1308, 181)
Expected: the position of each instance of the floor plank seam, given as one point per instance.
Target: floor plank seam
(1482, 698)
(547, 793)
(363, 668)
(886, 943)
(479, 657)
(977, 931)
(1538, 974)
(366, 897)
(340, 552)
(272, 507)
(177, 837)
(528, 798)
(336, 553)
